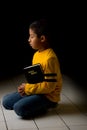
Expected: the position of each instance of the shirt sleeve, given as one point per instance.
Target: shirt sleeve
(44, 87)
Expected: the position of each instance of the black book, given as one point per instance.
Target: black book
(35, 74)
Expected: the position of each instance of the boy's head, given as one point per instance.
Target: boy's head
(40, 27)
(39, 34)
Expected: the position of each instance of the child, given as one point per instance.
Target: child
(34, 99)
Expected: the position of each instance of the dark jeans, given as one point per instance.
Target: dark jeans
(27, 106)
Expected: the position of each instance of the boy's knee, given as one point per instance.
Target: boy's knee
(21, 111)
(5, 104)
(18, 109)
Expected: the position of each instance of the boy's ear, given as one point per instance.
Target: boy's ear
(43, 38)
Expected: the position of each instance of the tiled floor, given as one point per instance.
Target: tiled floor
(71, 114)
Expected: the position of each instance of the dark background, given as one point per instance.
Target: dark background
(69, 38)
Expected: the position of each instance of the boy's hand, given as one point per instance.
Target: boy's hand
(21, 89)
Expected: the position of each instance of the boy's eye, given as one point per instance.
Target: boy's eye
(32, 36)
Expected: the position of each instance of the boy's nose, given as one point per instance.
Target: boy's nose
(28, 40)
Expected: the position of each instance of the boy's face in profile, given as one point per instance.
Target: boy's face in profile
(34, 41)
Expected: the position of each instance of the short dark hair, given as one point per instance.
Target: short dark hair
(41, 27)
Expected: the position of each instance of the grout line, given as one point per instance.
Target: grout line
(4, 118)
(62, 120)
(36, 124)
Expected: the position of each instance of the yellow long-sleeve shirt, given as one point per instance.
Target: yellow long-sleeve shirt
(50, 64)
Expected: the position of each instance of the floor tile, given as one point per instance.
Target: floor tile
(21, 124)
(73, 91)
(2, 125)
(79, 127)
(49, 120)
(10, 115)
(54, 128)
(70, 113)
(1, 115)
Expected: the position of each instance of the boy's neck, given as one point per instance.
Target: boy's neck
(44, 48)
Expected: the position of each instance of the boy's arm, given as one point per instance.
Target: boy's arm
(45, 87)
